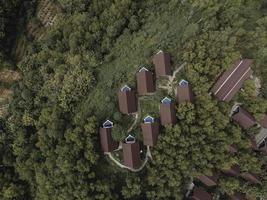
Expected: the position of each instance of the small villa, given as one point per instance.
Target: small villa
(167, 112)
(162, 63)
(127, 100)
(106, 140)
(145, 82)
(233, 171)
(251, 177)
(243, 118)
(184, 92)
(131, 152)
(150, 131)
(209, 180)
(231, 81)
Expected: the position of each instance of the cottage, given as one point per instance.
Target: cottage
(251, 177)
(162, 62)
(260, 141)
(233, 171)
(106, 140)
(131, 152)
(238, 196)
(209, 180)
(145, 83)
(263, 121)
(184, 92)
(233, 148)
(200, 194)
(167, 112)
(150, 130)
(232, 80)
(243, 118)
(127, 100)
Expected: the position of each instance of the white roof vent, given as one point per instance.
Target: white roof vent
(148, 120)
(108, 124)
(130, 139)
(125, 88)
(166, 100)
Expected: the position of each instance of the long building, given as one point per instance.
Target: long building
(232, 80)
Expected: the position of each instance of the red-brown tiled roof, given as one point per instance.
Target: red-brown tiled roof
(127, 101)
(145, 82)
(131, 155)
(244, 118)
(209, 180)
(150, 133)
(107, 143)
(184, 93)
(162, 62)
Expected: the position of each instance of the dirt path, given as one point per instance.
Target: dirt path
(114, 160)
(169, 85)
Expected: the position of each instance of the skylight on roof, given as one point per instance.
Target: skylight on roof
(108, 124)
(125, 88)
(130, 139)
(160, 51)
(183, 82)
(143, 69)
(166, 100)
(148, 120)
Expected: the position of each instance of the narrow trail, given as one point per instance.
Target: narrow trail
(169, 87)
(112, 158)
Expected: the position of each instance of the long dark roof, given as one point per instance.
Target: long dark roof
(232, 80)
(209, 180)
(107, 142)
(167, 114)
(150, 133)
(184, 93)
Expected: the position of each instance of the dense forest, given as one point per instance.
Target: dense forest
(49, 141)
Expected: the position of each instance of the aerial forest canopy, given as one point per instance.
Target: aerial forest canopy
(72, 66)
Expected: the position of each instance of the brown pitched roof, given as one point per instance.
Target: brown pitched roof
(145, 83)
(233, 171)
(167, 112)
(127, 100)
(184, 92)
(200, 194)
(209, 180)
(150, 130)
(131, 154)
(232, 80)
(263, 121)
(251, 177)
(106, 140)
(162, 62)
(243, 118)
(233, 148)
(238, 196)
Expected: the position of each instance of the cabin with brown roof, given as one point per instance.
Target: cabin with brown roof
(162, 63)
(131, 153)
(127, 100)
(145, 82)
(233, 148)
(232, 171)
(251, 177)
(263, 121)
(232, 80)
(209, 180)
(243, 118)
(237, 196)
(150, 131)
(106, 140)
(184, 92)
(200, 194)
(259, 142)
(167, 112)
